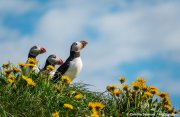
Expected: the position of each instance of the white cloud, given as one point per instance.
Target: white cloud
(16, 6)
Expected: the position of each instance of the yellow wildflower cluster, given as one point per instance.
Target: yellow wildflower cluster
(95, 107)
(68, 106)
(50, 68)
(165, 98)
(125, 87)
(117, 92)
(146, 95)
(10, 79)
(29, 81)
(78, 96)
(32, 61)
(111, 88)
(55, 114)
(30, 65)
(141, 80)
(145, 88)
(21, 65)
(169, 109)
(136, 85)
(16, 70)
(66, 79)
(153, 90)
(7, 72)
(122, 80)
(6, 65)
(163, 94)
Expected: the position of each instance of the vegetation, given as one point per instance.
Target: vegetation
(25, 94)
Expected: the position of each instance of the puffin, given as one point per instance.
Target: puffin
(33, 53)
(73, 65)
(52, 60)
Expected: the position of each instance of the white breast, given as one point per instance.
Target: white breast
(35, 69)
(74, 68)
(51, 74)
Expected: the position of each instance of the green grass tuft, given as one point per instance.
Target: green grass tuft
(20, 98)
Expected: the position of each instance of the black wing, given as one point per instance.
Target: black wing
(60, 71)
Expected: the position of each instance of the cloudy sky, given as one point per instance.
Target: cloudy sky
(126, 38)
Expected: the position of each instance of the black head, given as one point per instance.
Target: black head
(35, 51)
(54, 60)
(77, 46)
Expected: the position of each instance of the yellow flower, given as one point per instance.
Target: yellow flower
(145, 88)
(99, 105)
(16, 70)
(78, 96)
(32, 61)
(170, 110)
(66, 79)
(10, 81)
(141, 80)
(136, 85)
(111, 88)
(147, 94)
(95, 105)
(125, 87)
(29, 81)
(91, 105)
(6, 65)
(163, 94)
(10, 76)
(55, 114)
(68, 106)
(122, 80)
(167, 107)
(30, 65)
(153, 90)
(117, 92)
(7, 72)
(50, 68)
(166, 100)
(22, 65)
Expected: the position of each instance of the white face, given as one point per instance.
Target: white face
(35, 50)
(54, 60)
(77, 46)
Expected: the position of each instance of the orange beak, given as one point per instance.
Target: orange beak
(60, 62)
(43, 50)
(84, 43)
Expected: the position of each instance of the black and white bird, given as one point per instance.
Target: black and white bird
(52, 60)
(33, 53)
(73, 65)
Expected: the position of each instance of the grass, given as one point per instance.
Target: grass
(32, 95)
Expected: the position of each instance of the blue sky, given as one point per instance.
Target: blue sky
(126, 38)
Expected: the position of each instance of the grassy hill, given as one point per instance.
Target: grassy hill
(35, 95)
